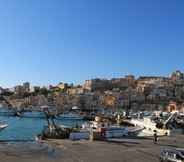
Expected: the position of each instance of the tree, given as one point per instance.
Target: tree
(44, 91)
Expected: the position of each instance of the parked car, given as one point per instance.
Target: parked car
(172, 155)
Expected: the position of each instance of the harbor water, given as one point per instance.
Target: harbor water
(26, 129)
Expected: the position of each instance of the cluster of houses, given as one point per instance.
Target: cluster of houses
(126, 93)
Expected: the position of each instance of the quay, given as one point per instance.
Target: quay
(117, 150)
(124, 150)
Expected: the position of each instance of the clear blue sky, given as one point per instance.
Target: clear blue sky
(47, 41)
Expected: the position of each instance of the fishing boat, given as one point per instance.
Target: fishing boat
(52, 130)
(7, 112)
(162, 127)
(69, 116)
(135, 131)
(105, 129)
(148, 127)
(32, 114)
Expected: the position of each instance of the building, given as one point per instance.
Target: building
(105, 84)
(97, 84)
(172, 107)
(121, 83)
(151, 82)
(150, 79)
(2, 90)
(75, 90)
(177, 75)
(19, 90)
(26, 86)
(34, 89)
(63, 86)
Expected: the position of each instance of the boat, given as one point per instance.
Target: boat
(3, 126)
(135, 131)
(53, 131)
(105, 130)
(69, 116)
(149, 127)
(173, 155)
(32, 114)
(7, 112)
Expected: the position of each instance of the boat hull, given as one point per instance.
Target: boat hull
(3, 126)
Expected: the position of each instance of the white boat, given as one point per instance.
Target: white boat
(69, 116)
(135, 130)
(149, 127)
(106, 130)
(3, 126)
(173, 155)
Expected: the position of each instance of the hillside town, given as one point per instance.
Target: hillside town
(146, 93)
(143, 115)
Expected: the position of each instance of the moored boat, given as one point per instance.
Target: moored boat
(3, 126)
(69, 116)
(32, 114)
(149, 127)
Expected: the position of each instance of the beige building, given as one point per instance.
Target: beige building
(119, 83)
(26, 86)
(105, 84)
(75, 90)
(96, 84)
(62, 86)
(19, 90)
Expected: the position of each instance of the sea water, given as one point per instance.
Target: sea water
(26, 129)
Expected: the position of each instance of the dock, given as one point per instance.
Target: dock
(117, 150)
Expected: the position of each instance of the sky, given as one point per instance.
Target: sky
(50, 41)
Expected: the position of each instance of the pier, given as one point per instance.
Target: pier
(125, 150)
